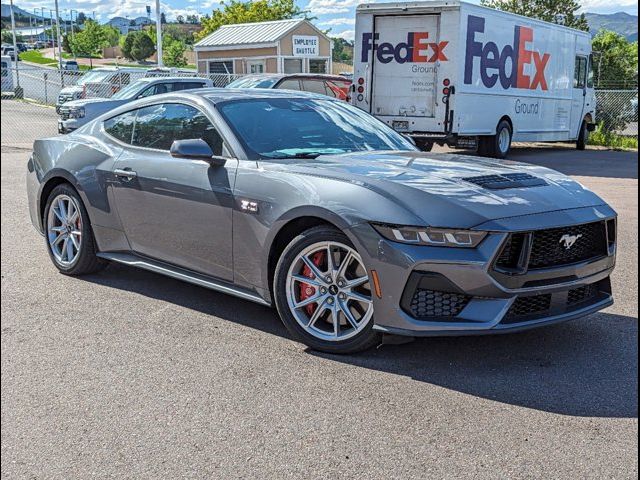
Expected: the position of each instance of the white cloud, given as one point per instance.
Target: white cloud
(347, 34)
(589, 5)
(334, 22)
(324, 7)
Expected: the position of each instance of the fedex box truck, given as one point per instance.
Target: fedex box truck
(459, 74)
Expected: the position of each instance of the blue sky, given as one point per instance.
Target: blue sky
(338, 15)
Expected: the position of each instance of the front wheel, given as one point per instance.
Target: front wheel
(583, 136)
(323, 293)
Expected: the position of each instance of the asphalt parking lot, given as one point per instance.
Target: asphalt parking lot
(129, 374)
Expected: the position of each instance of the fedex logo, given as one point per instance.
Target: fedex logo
(415, 50)
(493, 62)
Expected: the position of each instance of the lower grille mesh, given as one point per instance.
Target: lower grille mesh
(427, 304)
(525, 306)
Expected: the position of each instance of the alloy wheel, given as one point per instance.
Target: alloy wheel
(64, 229)
(328, 291)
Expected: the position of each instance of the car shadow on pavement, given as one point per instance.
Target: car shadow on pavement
(586, 368)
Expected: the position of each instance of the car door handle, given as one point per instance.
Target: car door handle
(125, 173)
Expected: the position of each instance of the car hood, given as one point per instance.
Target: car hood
(437, 190)
(97, 102)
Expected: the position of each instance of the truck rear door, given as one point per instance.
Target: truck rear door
(404, 65)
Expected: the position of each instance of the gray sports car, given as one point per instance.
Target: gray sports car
(309, 204)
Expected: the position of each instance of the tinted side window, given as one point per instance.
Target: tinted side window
(290, 84)
(580, 77)
(315, 86)
(187, 85)
(158, 126)
(121, 126)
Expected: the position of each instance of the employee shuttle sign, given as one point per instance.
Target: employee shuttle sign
(305, 46)
(515, 66)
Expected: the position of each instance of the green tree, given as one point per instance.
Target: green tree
(342, 51)
(90, 41)
(615, 60)
(127, 44)
(563, 12)
(143, 47)
(7, 37)
(173, 54)
(163, 18)
(237, 11)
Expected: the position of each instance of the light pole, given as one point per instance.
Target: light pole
(59, 36)
(158, 33)
(15, 47)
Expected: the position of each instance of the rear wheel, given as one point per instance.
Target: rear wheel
(69, 235)
(498, 145)
(323, 293)
(583, 136)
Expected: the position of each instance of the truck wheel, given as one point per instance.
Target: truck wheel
(423, 145)
(583, 136)
(501, 143)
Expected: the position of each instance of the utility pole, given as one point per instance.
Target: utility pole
(15, 46)
(158, 33)
(59, 35)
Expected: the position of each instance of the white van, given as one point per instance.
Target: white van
(454, 73)
(7, 74)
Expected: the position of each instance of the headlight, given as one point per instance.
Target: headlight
(433, 237)
(76, 112)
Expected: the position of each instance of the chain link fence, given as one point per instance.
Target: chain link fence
(617, 111)
(617, 108)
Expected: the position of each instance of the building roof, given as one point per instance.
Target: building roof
(250, 33)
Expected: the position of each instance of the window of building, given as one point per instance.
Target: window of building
(292, 65)
(317, 66)
(225, 66)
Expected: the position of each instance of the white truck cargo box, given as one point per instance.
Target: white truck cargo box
(454, 73)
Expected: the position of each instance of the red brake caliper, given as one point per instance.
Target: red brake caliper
(307, 290)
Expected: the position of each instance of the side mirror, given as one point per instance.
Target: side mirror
(195, 149)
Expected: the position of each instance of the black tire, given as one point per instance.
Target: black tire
(491, 146)
(424, 145)
(583, 136)
(86, 261)
(365, 339)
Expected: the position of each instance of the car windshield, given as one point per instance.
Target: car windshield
(253, 82)
(94, 77)
(131, 90)
(306, 128)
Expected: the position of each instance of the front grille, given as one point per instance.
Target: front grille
(547, 305)
(527, 306)
(549, 247)
(581, 295)
(431, 304)
(64, 113)
(511, 253)
(506, 181)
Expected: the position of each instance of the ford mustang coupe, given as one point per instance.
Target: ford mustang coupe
(309, 204)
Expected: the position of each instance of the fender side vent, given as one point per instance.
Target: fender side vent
(506, 181)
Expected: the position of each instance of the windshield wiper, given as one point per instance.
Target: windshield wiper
(304, 155)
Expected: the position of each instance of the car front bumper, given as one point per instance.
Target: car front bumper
(473, 298)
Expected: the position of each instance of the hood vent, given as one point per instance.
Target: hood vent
(506, 181)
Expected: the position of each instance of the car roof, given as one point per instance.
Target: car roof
(278, 76)
(172, 79)
(217, 95)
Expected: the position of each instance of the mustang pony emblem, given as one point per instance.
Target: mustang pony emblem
(569, 240)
